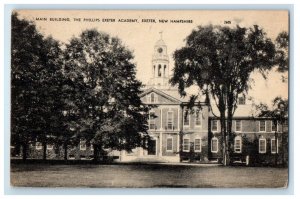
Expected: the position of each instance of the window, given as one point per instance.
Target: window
(274, 126)
(186, 144)
(165, 67)
(198, 119)
(186, 119)
(238, 144)
(214, 145)
(91, 147)
(274, 149)
(197, 145)
(82, 145)
(170, 120)
(262, 145)
(214, 125)
(49, 146)
(159, 70)
(38, 146)
(170, 144)
(152, 98)
(152, 125)
(262, 126)
(241, 101)
(238, 125)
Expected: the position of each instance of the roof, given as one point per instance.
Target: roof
(160, 43)
(171, 92)
(246, 110)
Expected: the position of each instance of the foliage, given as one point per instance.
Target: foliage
(220, 60)
(282, 46)
(35, 84)
(105, 92)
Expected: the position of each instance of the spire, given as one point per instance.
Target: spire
(161, 32)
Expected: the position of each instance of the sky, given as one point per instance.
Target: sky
(140, 37)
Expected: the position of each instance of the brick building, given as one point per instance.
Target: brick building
(179, 135)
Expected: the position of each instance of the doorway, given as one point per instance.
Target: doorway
(152, 147)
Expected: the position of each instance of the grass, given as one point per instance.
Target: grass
(146, 175)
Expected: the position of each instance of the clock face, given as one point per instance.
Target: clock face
(159, 50)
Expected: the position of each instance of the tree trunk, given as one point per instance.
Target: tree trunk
(223, 132)
(230, 103)
(96, 153)
(65, 151)
(44, 151)
(24, 152)
(229, 131)
(276, 152)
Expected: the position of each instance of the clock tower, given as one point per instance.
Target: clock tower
(160, 65)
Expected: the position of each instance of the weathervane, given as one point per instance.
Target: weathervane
(161, 34)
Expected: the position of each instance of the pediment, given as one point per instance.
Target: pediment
(155, 96)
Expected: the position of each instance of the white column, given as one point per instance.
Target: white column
(178, 126)
(178, 138)
(160, 144)
(161, 120)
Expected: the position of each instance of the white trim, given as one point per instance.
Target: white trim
(272, 126)
(169, 107)
(265, 150)
(169, 111)
(82, 148)
(169, 150)
(178, 121)
(185, 145)
(261, 132)
(198, 138)
(235, 145)
(161, 120)
(189, 120)
(259, 125)
(154, 98)
(212, 126)
(244, 100)
(49, 146)
(160, 144)
(38, 146)
(273, 152)
(178, 138)
(200, 118)
(240, 127)
(153, 120)
(211, 145)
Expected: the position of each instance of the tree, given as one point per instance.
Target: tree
(282, 54)
(105, 96)
(35, 77)
(279, 114)
(282, 45)
(219, 60)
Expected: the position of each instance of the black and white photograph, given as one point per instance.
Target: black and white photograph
(149, 98)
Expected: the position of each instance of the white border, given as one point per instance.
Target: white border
(169, 150)
(212, 193)
(211, 145)
(259, 126)
(197, 138)
(189, 144)
(265, 150)
(241, 144)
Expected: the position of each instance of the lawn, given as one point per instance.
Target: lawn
(145, 175)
